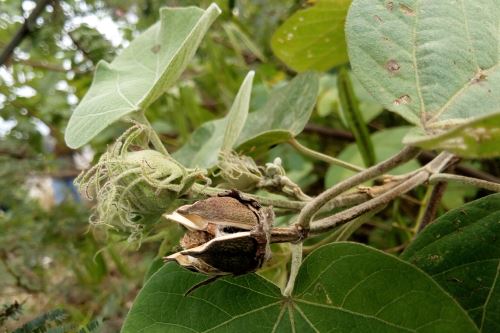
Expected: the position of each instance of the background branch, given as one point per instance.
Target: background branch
(23, 31)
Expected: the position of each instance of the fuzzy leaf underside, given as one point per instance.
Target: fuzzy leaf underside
(436, 63)
(141, 73)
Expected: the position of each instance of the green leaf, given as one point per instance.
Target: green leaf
(436, 63)
(328, 99)
(480, 138)
(343, 286)
(238, 113)
(313, 38)
(284, 115)
(141, 73)
(461, 251)
(386, 143)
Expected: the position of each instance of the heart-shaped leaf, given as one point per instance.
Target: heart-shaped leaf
(313, 38)
(344, 287)
(283, 116)
(141, 73)
(461, 251)
(436, 63)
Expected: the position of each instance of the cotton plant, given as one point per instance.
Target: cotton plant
(424, 60)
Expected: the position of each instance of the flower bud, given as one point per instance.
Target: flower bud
(239, 172)
(228, 234)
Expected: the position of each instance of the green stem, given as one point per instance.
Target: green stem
(431, 207)
(153, 136)
(423, 209)
(354, 117)
(294, 268)
(322, 157)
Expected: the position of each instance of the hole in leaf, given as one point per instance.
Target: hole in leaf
(403, 100)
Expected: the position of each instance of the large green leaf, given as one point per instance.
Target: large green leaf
(313, 38)
(283, 116)
(141, 73)
(345, 287)
(461, 251)
(436, 63)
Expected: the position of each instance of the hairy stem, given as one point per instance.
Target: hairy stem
(351, 213)
(322, 157)
(344, 232)
(294, 268)
(435, 166)
(346, 200)
(153, 136)
(295, 233)
(448, 177)
(315, 205)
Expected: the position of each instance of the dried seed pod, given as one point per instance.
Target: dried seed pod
(238, 230)
(223, 211)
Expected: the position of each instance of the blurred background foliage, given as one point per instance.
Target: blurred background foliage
(49, 256)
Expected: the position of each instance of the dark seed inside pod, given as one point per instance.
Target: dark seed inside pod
(195, 238)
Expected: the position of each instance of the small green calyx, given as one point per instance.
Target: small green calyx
(239, 172)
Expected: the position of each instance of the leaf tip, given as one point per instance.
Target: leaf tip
(249, 77)
(70, 142)
(214, 7)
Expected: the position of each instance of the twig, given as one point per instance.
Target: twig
(435, 166)
(431, 206)
(48, 66)
(312, 207)
(322, 157)
(351, 213)
(296, 232)
(448, 177)
(23, 31)
(345, 200)
(464, 170)
(344, 232)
